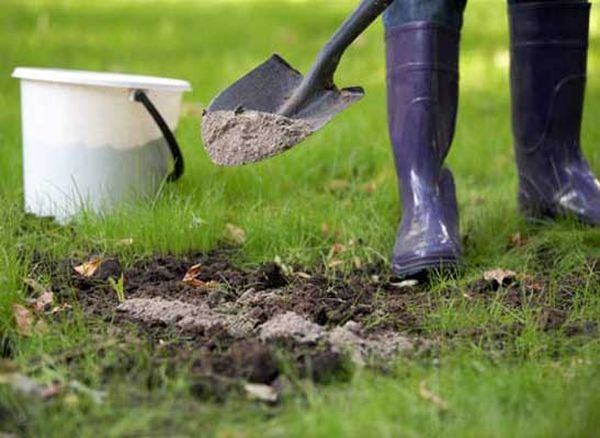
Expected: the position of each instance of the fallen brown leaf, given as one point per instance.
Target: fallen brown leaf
(430, 396)
(190, 277)
(23, 319)
(336, 249)
(236, 234)
(89, 268)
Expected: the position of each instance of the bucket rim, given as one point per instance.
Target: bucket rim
(100, 79)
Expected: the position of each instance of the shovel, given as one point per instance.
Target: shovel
(275, 107)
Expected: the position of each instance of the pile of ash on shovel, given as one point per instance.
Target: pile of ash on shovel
(233, 139)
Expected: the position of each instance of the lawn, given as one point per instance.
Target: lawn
(337, 188)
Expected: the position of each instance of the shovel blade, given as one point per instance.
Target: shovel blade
(268, 86)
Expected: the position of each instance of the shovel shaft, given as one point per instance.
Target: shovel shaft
(320, 76)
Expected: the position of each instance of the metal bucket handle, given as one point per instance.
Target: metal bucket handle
(178, 166)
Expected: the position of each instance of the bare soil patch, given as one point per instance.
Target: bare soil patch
(231, 325)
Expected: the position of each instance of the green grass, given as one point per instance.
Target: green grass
(543, 384)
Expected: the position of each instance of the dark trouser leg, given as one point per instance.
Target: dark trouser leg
(422, 44)
(446, 12)
(549, 42)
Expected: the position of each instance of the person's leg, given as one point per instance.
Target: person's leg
(447, 12)
(422, 46)
(549, 41)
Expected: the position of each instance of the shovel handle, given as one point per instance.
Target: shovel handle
(320, 76)
(178, 167)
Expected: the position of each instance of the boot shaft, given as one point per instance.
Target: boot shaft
(422, 83)
(549, 43)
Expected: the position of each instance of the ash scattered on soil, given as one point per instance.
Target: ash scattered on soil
(240, 326)
(233, 139)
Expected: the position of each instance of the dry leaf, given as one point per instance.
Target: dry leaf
(236, 234)
(23, 319)
(304, 275)
(260, 392)
(89, 268)
(432, 397)
(191, 275)
(500, 276)
(335, 249)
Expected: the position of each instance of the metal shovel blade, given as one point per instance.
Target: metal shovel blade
(241, 125)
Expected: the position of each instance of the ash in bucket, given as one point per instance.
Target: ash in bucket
(233, 138)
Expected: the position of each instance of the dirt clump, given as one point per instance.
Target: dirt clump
(234, 138)
(291, 326)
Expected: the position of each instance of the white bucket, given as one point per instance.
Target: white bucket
(88, 143)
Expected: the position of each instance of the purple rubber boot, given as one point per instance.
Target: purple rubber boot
(549, 42)
(422, 81)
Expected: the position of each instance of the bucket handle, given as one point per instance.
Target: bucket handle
(178, 167)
